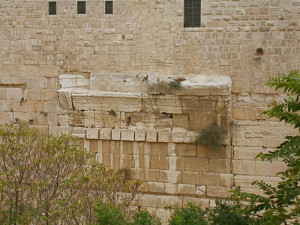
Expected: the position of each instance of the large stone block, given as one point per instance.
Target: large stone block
(195, 164)
(92, 133)
(127, 135)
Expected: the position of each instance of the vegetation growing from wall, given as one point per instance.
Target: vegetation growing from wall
(213, 136)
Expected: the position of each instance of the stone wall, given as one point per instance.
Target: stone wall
(100, 55)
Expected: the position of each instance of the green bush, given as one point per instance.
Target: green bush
(143, 217)
(109, 214)
(52, 180)
(230, 213)
(191, 215)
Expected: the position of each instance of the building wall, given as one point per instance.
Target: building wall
(148, 37)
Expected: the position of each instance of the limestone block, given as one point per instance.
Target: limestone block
(153, 175)
(246, 180)
(207, 178)
(201, 191)
(168, 176)
(155, 187)
(127, 135)
(247, 152)
(159, 149)
(244, 113)
(197, 122)
(2, 93)
(50, 106)
(226, 180)
(52, 119)
(195, 164)
(149, 200)
(164, 136)
(171, 189)
(116, 134)
(151, 136)
(105, 133)
(190, 177)
(159, 162)
(181, 121)
(72, 81)
(128, 161)
(78, 132)
(163, 201)
(128, 147)
(140, 135)
(219, 165)
(14, 94)
(93, 146)
(32, 82)
(201, 151)
(186, 189)
(92, 133)
(218, 192)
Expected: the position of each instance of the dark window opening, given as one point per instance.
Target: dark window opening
(52, 8)
(192, 13)
(108, 7)
(81, 7)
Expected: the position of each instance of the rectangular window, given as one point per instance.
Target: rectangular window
(52, 8)
(192, 13)
(108, 7)
(81, 7)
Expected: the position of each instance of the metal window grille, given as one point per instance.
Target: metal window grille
(192, 13)
(108, 7)
(52, 8)
(81, 7)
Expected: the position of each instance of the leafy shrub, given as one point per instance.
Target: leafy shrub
(109, 214)
(231, 213)
(212, 135)
(143, 217)
(49, 180)
(191, 215)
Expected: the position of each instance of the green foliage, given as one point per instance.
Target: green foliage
(230, 212)
(281, 203)
(175, 85)
(109, 214)
(143, 217)
(50, 180)
(112, 112)
(192, 215)
(213, 136)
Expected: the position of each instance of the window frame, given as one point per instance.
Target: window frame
(50, 9)
(192, 13)
(79, 8)
(109, 7)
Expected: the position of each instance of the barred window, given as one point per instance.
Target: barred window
(192, 13)
(52, 8)
(81, 7)
(108, 7)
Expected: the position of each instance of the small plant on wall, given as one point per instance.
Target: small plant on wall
(112, 112)
(213, 135)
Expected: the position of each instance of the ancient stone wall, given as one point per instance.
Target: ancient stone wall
(106, 62)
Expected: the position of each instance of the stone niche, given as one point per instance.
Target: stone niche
(147, 124)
